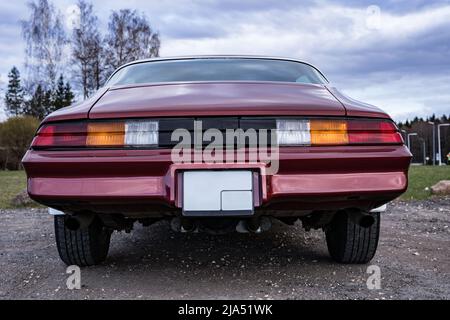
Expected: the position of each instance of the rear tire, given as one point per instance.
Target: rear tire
(83, 247)
(350, 243)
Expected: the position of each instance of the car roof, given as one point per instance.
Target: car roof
(193, 57)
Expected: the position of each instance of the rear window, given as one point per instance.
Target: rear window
(217, 69)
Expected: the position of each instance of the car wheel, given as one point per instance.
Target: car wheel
(85, 246)
(349, 242)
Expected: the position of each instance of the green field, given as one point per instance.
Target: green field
(12, 182)
(421, 177)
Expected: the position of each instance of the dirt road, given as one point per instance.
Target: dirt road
(284, 263)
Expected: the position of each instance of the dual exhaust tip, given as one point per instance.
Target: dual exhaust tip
(363, 219)
(255, 225)
(79, 221)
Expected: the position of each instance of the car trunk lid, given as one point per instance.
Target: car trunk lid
(217, 99)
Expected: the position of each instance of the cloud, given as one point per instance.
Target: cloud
(404, 97)
(395, 65)
(397, 60)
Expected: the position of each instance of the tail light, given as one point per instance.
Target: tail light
(129, 133)
(317, 132)
(326, 132)
(61, 135)
(97, 134)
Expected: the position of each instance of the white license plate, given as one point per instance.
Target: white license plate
(215, 193)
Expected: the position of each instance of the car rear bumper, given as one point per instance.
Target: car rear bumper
(146, 182)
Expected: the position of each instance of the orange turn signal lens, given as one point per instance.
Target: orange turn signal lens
(328, 132)
(105, 134)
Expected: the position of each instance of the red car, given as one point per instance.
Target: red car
(217, 144)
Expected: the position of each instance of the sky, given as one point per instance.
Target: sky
(394, 54)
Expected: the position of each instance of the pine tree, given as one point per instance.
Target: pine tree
(44, 102)
(68, 95)
(59, 100)
(14, 94)
(36, 106)
(47, 103)
(62, 96)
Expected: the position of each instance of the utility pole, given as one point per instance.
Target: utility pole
(424, 151)
(406, 134)
(408, 140)
(439, 140)
(434, 141)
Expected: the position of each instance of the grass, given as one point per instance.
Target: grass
(11, 183)
(420, 177)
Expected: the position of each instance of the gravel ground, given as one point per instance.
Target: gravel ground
(284, 263)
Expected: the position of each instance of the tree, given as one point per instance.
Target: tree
(45, 39)
(68, 95)
(14, 94)
(432, 118)
(44, 102)
(40, 103)
(16, 134)
(424, 133)
(59, 99)
(129, 38)
(87, 50)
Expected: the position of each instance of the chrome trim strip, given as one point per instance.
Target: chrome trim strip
(379, 209)
(54, 212)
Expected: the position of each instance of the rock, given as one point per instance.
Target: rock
(441, 188)
(22, 199)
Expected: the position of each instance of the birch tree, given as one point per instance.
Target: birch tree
(130, 37)
(45, 40)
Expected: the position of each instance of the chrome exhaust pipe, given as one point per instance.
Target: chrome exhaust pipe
(187, 225)
(183, 225)
(256, 225)
(79, 221)
(361, 218)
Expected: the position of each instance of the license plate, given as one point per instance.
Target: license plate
(218, 193)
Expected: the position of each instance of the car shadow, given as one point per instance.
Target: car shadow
(158, 247)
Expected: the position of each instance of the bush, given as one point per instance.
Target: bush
(15, 138)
